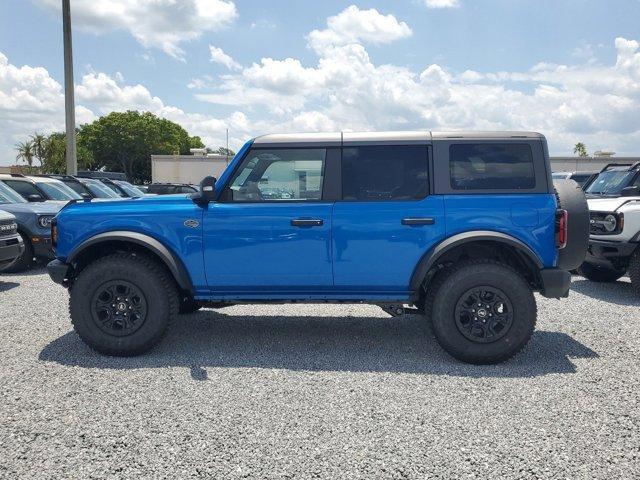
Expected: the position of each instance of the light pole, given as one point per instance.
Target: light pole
(69, 102)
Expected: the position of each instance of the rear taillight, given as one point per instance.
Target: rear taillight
(562, 221)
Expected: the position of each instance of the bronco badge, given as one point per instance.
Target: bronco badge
(191, 223)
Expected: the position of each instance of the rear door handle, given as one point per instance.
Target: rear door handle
(418, 221)
(307, 222)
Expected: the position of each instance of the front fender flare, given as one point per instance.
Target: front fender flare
(170, 259)
(430, 258)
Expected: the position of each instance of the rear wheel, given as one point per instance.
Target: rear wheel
(24, 261)
(481, 311)
(121, 304)
(634, 270)
(596, 273)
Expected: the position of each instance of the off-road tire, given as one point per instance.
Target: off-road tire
(451, 284)
(599, 274)
(24, 261)
(146, 274)
(634, 270)
(189, 305)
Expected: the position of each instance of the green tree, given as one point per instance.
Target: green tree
(580, 149)
(26, 152)
(39, 142)
(125, 141)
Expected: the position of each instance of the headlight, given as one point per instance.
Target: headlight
(610, 222)
(44, 221)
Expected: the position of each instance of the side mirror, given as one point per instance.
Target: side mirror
(207, 191)
(34, 198)
(630, 192)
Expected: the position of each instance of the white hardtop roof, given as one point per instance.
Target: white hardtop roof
(400, 136)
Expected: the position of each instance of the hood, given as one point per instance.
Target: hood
(6, 215)
(608, 204)
(42, 208)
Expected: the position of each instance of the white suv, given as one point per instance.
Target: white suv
(614, 243)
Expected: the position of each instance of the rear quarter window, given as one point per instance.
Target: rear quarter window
(491, 166)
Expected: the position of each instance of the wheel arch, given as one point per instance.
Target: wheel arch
(102, 243)
(479, 240)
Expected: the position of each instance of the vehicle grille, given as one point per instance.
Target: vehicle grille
(8, 228)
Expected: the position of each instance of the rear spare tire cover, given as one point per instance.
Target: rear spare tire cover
(571, 198)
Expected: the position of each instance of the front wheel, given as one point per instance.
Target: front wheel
(599, 274)
(482, 311)
(121, 304)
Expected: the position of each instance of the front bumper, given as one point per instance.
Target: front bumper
(609, 253)
(10, 249)
(42, 247)
(555, 282)
(59, 271)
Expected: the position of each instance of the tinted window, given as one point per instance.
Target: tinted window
(280, 175)
(23, 188)
(158, 189)
(491, 166)
(8, 195)
(75, 186)
(385, 172)
(57, 190)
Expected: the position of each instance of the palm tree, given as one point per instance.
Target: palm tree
(580, 149)
(26, 151)
(40, 146)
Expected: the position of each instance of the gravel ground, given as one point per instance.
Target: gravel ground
(319, 392)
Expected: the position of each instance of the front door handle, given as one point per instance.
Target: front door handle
(418, 221)
(307, 222)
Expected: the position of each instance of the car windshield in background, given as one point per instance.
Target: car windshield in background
(99, 189)
(58, 191)
(610, 182)
(130, 189)
(7, 195)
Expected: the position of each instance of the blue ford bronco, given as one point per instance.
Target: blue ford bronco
(461, 228)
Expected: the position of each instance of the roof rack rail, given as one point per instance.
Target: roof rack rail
(18, 175)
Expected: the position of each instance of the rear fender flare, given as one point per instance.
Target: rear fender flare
(431, 258)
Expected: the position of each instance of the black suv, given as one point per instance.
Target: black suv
(170, 188)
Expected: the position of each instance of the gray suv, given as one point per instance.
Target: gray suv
(11, 244)
(33, 227)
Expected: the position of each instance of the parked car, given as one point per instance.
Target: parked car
(85, 187)
(462, 227)
(11, 244)
(614, 245)
(34, 227)
(99, 174)
(171, 188)
(121, 187)
(39, 189)
(581, 178)
(615, 180)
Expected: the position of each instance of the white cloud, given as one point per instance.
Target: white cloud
(218, 56)
(31, 100)
(353, 25)
(442, 3)
(163, 24)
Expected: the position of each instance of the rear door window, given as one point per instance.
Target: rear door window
(491, 166)
(385, 172)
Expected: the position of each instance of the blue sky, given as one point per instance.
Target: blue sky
(570, 69)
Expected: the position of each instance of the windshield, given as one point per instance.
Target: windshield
(7, 195)
(130, 189)
(99, 189)
(57, 191)
(610, 182)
